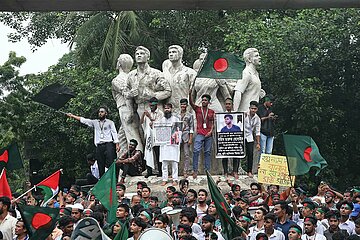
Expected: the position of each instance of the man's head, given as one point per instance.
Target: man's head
(177, 198)
(255, 188)
(184, 230)
(333, 218)
(253, 107)
(202, 195)
(170, 191)
(348, 195)
(228, 104)
(187, 216)
(252, 56)
(245, 220)
(191, 196)
(122, 211)
(20, 229)
(120, 190)
(207, 223)
(145, 192)
(280, 209)
(295, 232)
(205, 100)
(259, 214)
(228, 118)
(268, 101)
(76, 211)
(345, 208)
(132, 144)
(243, 203)
(70, 198)
(146, 215)
(124, 62)
(102, 112)
(183, 104)
(137, 225)
(161, 221)
(167, 110)
(308, 208)
(90, 159)
(310, 225)
(329, 197)
(66, 224)
(153, 102)
(270, 219)
(154, 200)
(142, 55)
(135, 200)
(357, 226)
(175, 53)
(4, 205)
(320, 212)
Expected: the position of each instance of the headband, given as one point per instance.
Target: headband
(146, 215)
(320, 210)
(346, 204)
(296, 230)
(245, 218)
(309, 205)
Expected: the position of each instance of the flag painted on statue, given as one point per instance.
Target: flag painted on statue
(229, 228)
(221, 65)
(50, 187)
(10, 157)
(5, 190)
(39, 221)
(302, 153)
(105, 191)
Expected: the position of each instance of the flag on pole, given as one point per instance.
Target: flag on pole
(54, 96)
(229, 228)
(39, 221)
(5, 190)
(105, 191)
(50, 187)
(302, 153)
(10, 157)
(221, 65)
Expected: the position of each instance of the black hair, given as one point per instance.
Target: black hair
(270, 216)
(283, 204)
(171, 188)
(262, 236)
(255, 184)
(203, 190)
(121, 186)
(184, 100)
(339, 235)
(65, 220)
(105, 108)
(206, 96)
(134, 142)
(228, 116)
(168, 105)
(234, 186)
(90, 157)
(182, 182)
(254, 103)
(154, 198)
(153, 99)
(147, 188)
(193, 192)
(237, 211)
(138, 221)
(229, 99)
(189, 214)
(125, 207)
(99, 217)
(163, 218)
(6, 201)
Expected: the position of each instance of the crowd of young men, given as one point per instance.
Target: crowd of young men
(262, 213)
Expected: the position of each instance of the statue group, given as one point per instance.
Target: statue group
(133, 89)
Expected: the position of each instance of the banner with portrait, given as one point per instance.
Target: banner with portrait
(230, 140)
(165, 133)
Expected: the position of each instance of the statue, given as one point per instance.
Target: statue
(248, 88)
(179, 77)
(213, 87)
(145, 82)
(128, 128)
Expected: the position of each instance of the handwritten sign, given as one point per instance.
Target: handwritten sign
(274, 170)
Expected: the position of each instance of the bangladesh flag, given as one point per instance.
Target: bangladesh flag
(50, 187)
(221, 65)
(39, 221)
(302, 153)
(229, 228)
(10, 157)
(5, 190)
(123, 234)
(105, 191)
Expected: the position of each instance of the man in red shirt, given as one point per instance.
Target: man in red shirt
(204, 128)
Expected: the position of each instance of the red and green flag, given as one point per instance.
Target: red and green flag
(39, 221)
(50, 187)
(229, 228)
(123, 234)
(105, 191)
(302, 153)
(5, 190)
(10, 157)
(221, 65)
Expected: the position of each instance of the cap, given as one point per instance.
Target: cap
(166, 209)
(208, 218)
(77, 206)
(308, 203)
(245, 200)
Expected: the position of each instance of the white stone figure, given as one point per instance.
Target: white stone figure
(248, 88)
(178, 76)
(128, 126)
(213, 87)
(145, 82)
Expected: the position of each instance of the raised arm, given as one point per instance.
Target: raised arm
(70, 115)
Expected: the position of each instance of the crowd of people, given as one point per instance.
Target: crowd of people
(262, 213)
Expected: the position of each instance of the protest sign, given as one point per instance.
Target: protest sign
(165, 133)
(230, 139)
(274, 170)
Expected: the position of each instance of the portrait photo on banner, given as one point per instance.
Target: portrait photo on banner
(230, 139)
(165, 133)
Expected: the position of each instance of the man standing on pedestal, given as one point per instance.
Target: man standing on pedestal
(267, 125)
(105, 138)
(170, 153)
(204, 128)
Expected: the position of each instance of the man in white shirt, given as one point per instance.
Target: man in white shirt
(207, 225)
(7, 222)
(269, 230)
(310, 224)
(105, 138)
(345, 209)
